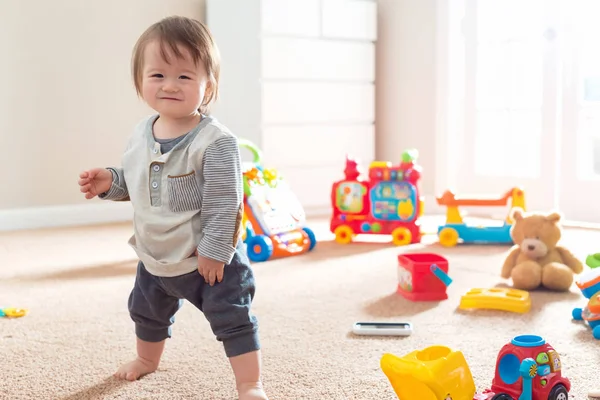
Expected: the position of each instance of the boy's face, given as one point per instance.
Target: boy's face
(175, 89)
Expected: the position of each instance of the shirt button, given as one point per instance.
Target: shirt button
(156, 168)
(154, 185)
(154, 151)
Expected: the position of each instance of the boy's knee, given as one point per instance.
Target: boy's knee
(151, 308)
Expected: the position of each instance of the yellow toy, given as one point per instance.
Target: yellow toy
(433, 373)
(504, 299)
(13, 312)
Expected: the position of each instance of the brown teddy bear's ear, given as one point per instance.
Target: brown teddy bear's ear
(516, 214)
(553, 217)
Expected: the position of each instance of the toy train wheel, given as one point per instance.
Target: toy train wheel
(502, 396)
(448, 237)
(260, 248)
(559, 392)
(401, 236)
(343, 234)
(311, 237)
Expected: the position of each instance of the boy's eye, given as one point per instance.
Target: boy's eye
(184, 77)
(157, 76)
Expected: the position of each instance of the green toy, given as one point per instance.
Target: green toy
(593, 260)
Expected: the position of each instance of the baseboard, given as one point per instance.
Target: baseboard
(100, 212)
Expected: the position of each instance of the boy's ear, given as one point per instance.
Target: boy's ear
(208, 93)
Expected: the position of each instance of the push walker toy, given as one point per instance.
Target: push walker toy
(273, 220)
(456, 230)
(385, 202)
(527, 368)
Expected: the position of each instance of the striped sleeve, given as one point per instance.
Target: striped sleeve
(118, 189)
(222, 200)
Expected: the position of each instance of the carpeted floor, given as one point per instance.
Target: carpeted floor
(75, 282)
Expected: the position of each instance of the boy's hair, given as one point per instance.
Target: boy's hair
(191, 35)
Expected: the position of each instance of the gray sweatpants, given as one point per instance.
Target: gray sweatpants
(154, 301)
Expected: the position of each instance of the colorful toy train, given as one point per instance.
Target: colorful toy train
(385, 202)
(527, 368)
(273, 219)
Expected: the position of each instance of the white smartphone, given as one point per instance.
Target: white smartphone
(383, 328)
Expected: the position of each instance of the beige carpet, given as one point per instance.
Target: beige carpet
(76, 282)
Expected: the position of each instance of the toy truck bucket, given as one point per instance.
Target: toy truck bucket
(436, 372)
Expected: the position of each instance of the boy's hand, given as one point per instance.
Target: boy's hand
(94, 182)
(211, 270)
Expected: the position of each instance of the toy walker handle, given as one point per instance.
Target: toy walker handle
(256, 153)
(441, 275)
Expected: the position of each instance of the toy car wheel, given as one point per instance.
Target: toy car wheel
(311, 237)
(401, 236)
(502, 396)
(343, 234)
(577, 314)
(559, 392)
(260, 248)
(448, 237)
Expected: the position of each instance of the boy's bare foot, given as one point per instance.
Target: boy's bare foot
(251, 391)
(136, 369)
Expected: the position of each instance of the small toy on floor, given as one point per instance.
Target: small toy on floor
(537, 259)
(589, 284)
(423, 276)
(13, 312)
(594, 394)
(503, 299)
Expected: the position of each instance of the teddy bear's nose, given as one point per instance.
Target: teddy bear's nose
(531, 247)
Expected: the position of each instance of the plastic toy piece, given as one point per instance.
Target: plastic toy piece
(436, 372)
(385, 202)
(273, 219)
(441, 275)
(423, 276)
(589, 284)
(456, 230)
(13, 312)
(527, 368)
(593, 260)
(504, 299)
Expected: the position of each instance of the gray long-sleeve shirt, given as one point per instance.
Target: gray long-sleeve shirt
(186, 199)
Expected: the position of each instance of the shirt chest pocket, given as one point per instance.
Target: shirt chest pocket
(184, 192)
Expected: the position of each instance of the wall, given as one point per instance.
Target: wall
(67, 102)
(407, 80)
(298, 80)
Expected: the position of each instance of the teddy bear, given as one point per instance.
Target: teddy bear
(536, 260)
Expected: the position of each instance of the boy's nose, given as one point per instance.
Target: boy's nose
(169, 88)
